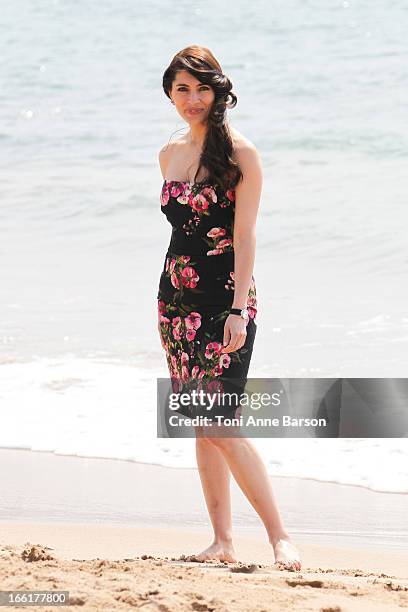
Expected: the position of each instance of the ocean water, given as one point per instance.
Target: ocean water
(322, 92)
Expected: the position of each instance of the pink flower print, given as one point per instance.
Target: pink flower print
(190, 334)
(217, 371)
(173, 366)
(225, 360)
(175, 281)
(212, 349)
(185, 374)
(176, 323)
(175, 190)
(172, 265)
(184, 358)
(251, 300)
(176, 384)
(161, 306)
(193, 320)
(164, 319)
(251, 306)
(214, 386)
(189, 277)
(183, 199)
(252, 312)
(224, 243)
(216, 232)
(185, 258)
(199, 203)
(208, 192)
(230, 282)
(176, 333)
(195, 371)
(164, 196)
(201, 374)
(230, 195)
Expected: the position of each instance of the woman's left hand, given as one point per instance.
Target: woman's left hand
(234, 333)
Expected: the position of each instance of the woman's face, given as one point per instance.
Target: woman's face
(191, 98)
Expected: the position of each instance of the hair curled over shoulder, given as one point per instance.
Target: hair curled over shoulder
(216, 156)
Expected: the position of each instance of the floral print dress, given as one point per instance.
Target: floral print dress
(196, 289)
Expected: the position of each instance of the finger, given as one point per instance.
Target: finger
(240, 341)
(232, 343)
(227, 349)
(236, 344)
(227, 335)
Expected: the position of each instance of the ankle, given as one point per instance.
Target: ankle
(223, 539)
(275, 537)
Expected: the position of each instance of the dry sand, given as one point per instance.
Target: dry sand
(167, 582)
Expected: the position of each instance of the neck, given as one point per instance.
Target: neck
(196, 135)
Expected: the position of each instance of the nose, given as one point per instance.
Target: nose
(194, 97)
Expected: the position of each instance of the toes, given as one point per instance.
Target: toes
(195, 558)
(291, 566)
(280, 565)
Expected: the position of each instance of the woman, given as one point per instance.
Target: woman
(207, 297)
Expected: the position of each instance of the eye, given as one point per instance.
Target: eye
(203, 87)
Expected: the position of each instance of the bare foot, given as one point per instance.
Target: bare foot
(286, 555)
(222, 551)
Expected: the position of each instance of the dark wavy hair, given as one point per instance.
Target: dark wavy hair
(216, 156)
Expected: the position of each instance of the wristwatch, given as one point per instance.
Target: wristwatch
(242, 313)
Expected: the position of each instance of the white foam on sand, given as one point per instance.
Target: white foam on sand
(102, 408)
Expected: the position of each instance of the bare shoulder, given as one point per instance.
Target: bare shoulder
(167, 151)
(239, 140)
(245, 152)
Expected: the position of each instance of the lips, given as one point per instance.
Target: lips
(195, 111)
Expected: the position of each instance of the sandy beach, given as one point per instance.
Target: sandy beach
(92, 501)
(118, 535)
(65, 557)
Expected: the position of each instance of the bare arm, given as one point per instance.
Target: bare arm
(248, 195)
(163, 160)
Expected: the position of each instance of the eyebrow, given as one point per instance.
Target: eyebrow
(185, 85)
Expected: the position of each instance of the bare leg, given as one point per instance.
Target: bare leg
(250, 473)
(215, 479)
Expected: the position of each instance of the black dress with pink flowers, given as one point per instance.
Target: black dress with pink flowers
(196, 289)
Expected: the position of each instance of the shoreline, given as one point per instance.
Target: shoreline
(180, 468)
(88, 541)
(74, 490)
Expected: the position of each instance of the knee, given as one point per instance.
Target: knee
(202, 436)
(226, 444)
(203, 441)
